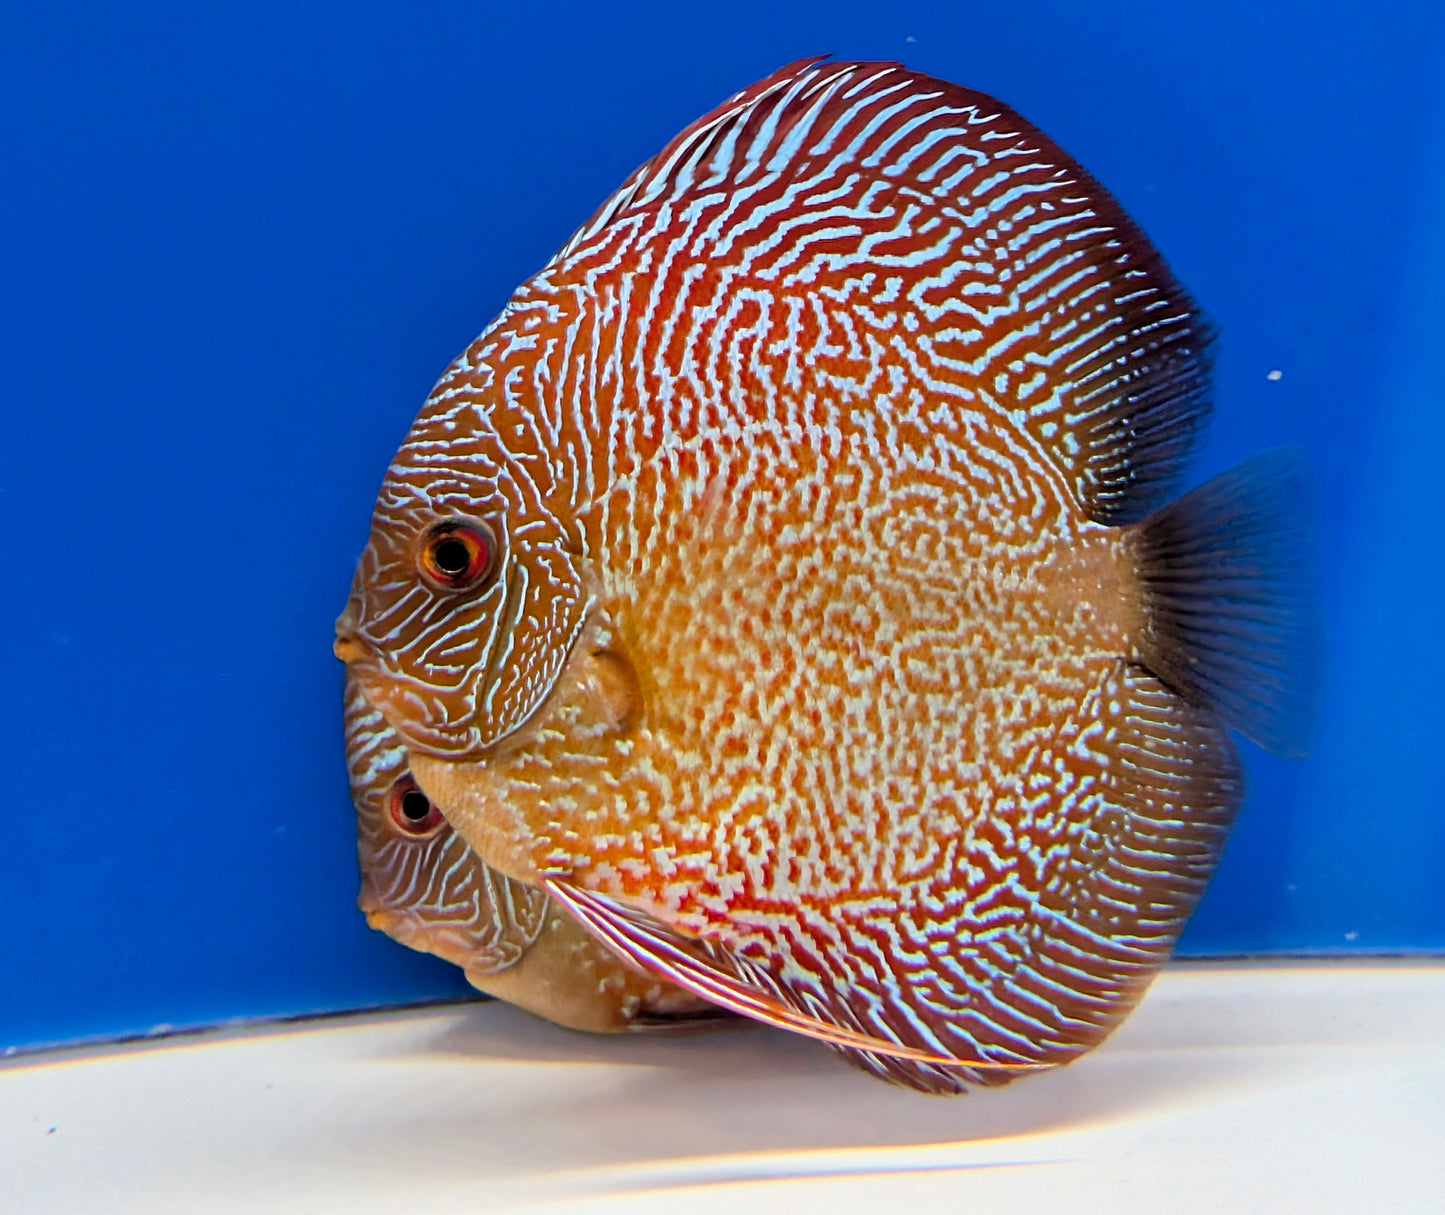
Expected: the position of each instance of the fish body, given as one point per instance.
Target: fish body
(784, 579)
(424, 887)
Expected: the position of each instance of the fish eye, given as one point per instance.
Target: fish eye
(412, 810)
(457, 554)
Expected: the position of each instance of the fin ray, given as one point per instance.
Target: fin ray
(641, 940)
(1228, 587)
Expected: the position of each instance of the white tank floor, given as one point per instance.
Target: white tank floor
(1310, 1088)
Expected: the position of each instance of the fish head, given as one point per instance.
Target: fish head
(482, 615)
(420, 882)
(470, 593)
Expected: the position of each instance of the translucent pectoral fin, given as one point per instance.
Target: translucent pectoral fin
(712, 973)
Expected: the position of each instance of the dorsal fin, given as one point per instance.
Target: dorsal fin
(674, 168)
(1048, 304)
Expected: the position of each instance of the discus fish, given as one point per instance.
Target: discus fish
(785, 581)
(423, 887)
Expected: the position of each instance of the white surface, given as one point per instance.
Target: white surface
(1232, 1089)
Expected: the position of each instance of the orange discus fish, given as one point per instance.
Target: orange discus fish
(423, 887)
(784, 581)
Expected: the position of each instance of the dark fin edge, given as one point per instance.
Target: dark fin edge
(1228, 580)
(1151, 405)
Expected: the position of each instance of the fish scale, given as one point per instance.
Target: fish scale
(826, 429)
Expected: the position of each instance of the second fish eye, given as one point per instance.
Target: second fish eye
(458, 553)
(412, 810)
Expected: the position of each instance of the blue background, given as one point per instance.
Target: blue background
(239, 242)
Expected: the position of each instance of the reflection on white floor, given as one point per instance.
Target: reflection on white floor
(1311, 1088)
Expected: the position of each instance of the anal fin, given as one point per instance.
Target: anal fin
(711, 973)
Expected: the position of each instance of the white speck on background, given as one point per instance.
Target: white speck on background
(1275, 375)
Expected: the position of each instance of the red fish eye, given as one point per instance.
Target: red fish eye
(458, 554)
(412, 810)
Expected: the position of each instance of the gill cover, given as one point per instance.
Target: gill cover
(457, 669)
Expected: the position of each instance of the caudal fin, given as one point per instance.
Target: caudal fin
(1229, 598)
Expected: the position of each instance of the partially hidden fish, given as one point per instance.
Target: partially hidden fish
(787, 581)
(424, 887)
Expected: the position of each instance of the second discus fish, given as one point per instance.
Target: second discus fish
(423, 887)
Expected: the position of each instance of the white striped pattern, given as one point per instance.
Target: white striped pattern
(822, 422)
(433, 894)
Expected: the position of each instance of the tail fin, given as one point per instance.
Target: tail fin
(1228, 581)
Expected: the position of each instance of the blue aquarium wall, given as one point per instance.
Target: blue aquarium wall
(238, 243)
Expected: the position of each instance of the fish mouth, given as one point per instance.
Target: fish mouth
(347, 646)
(348, 649)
